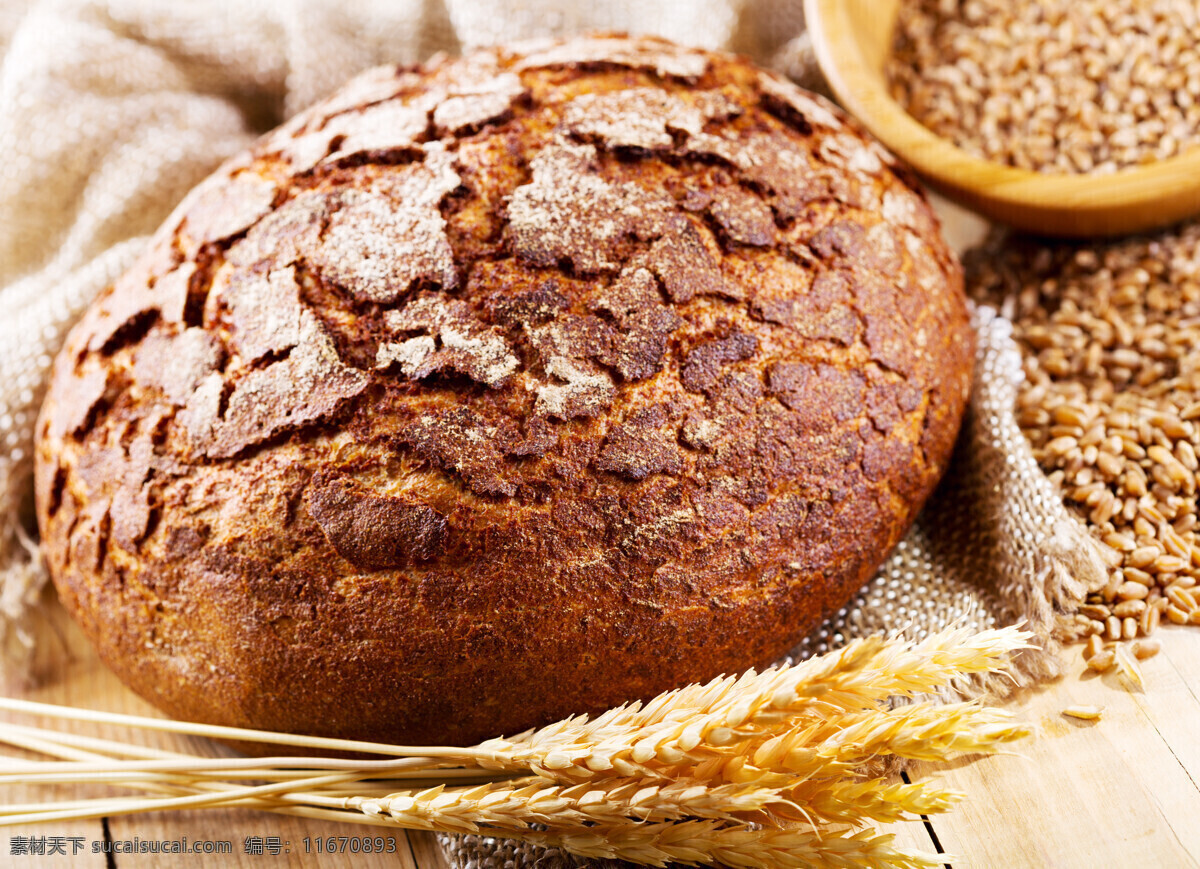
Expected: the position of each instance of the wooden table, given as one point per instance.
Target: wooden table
(1121, 791)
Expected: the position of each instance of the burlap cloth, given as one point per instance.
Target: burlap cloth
(111, 111)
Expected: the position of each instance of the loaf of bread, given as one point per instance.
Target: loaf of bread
(504, 388)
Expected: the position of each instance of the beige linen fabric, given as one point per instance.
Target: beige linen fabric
(111, 111)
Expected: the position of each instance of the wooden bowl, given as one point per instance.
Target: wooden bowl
(852, 38)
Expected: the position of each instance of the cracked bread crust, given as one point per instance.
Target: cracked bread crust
(505, 388)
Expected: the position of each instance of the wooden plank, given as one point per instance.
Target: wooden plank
(250, 835)
(74, 676)
(256, 839)
(1181, 653)
(1121, 791)
(68, 673)
(910, 836)
(426, 851)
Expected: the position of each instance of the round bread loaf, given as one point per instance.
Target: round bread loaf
(504, 388)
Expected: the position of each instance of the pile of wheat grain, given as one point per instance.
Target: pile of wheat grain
(1077, 86)
(1110, 335)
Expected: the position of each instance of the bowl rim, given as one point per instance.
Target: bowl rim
(964, 175)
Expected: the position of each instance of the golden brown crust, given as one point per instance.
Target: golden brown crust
(517, 386)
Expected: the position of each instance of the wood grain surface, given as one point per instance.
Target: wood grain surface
(1120, 791)
(85, 682)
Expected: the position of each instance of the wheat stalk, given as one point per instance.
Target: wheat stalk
(518, 804)
(765, 769)
(433, 755)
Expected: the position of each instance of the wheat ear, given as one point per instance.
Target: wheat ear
(693, 725)
(694, 843)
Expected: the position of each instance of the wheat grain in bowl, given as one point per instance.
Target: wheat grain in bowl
(1110, 335)
(1057, 86)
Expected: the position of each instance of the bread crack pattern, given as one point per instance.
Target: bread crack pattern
(463, 342)
(570, 212)
(381, 239)
(554, 353)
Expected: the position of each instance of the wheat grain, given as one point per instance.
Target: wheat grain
(924, 732)
(1076, 86)
(1131, 307)
(1102, 662)
(1127, 666)
(1144, 649)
